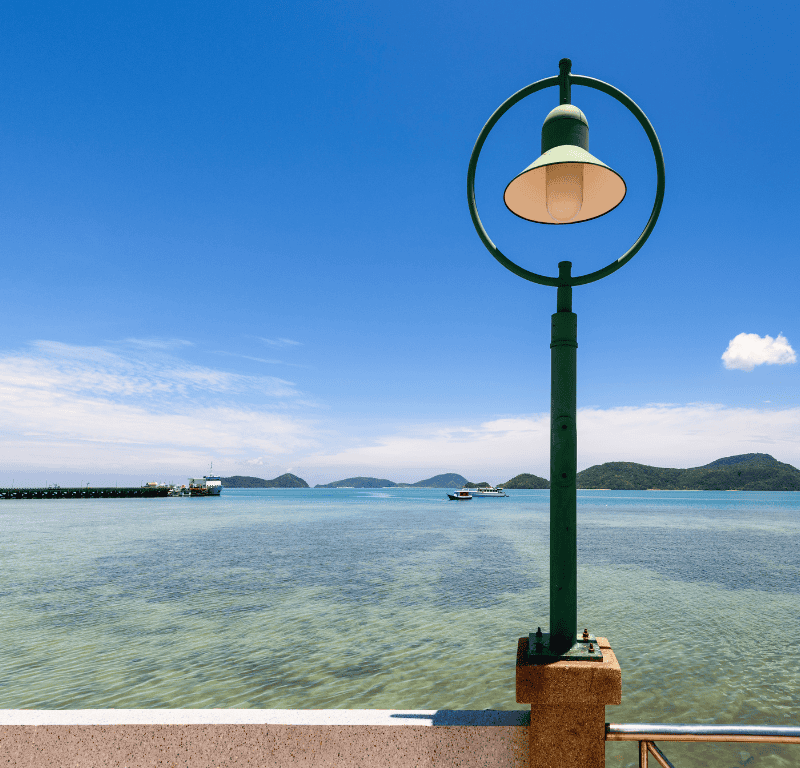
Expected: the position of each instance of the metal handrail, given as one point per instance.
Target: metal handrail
(647, 733)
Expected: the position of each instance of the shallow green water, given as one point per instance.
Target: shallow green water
(400, 599)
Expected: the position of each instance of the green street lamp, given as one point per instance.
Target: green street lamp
(565, 185)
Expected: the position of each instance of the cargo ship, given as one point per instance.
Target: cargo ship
(208, 485)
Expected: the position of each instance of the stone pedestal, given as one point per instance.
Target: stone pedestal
(568, 700)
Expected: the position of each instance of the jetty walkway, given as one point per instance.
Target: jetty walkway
(83, 493)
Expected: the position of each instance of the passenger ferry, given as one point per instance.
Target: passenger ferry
(490, 491)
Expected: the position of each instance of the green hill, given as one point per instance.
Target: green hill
(359, 482)
(745, 472)
(449, 480)
(764, 458)
(527, 482)
(243, 481)
(287, 481)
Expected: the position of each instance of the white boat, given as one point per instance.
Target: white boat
(462, 495)
(488, 492)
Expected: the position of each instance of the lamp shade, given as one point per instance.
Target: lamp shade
(565, 184)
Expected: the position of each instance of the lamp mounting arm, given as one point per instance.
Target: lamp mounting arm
(564, 293)
(564, 66)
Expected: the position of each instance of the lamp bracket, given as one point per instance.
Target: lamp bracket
(564, 66)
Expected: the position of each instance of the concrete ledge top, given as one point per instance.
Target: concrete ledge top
(379, 717)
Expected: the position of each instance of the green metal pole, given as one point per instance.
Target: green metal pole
(563, 469)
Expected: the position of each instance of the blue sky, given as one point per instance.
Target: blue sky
(238, 232)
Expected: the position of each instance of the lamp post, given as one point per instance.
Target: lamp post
(565, 185)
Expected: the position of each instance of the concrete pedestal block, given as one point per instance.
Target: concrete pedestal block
(568, 700)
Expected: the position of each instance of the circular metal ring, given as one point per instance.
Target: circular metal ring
(610, 90)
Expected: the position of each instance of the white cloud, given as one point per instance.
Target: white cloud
(665, 435)
(67, 408)
(747, 350)
(94, 409)
(688, 435)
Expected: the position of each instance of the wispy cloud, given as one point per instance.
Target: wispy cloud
(249, 357)
(156, 343)
(97, 371)
(89, 407)
(747, 350)
(278, 342)
(269, 361)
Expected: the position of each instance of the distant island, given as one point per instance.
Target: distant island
(284, 481)
(360, 482)
(449, 480)
(526, 482)
(745, 472)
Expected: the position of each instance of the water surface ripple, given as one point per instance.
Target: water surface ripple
(400, 599)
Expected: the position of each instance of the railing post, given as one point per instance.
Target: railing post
(660, 757)
(642, 754)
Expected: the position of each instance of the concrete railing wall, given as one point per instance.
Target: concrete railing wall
(257, 738)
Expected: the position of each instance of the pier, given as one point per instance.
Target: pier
(144, 492)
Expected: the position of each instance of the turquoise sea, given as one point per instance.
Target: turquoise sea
(398, 598)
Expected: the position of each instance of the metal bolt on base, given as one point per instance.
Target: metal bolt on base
(542, 651)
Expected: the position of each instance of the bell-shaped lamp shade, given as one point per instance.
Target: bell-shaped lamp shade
(566, 184)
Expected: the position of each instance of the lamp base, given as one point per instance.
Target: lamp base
(585, 648)
(568, 700)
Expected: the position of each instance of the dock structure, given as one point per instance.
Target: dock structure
(143, 492)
